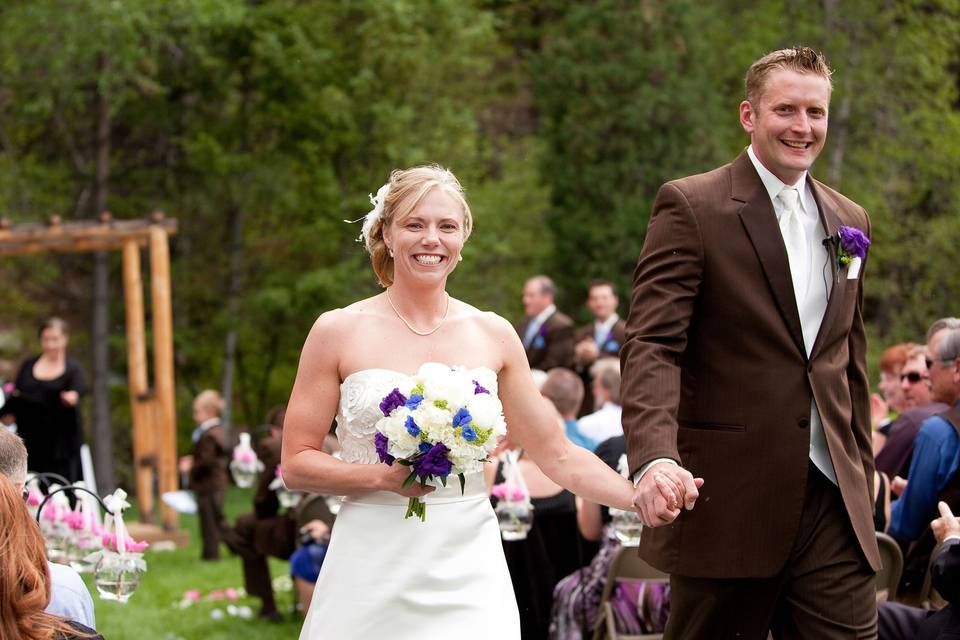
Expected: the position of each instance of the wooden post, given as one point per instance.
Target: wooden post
(144, 450)
(166, 434)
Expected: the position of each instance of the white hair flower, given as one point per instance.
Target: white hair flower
(374, 214)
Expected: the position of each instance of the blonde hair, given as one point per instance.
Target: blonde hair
(210, 399)
(407, 188)
(24, 576)
(799, 59)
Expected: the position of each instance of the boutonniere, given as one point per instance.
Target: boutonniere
(852, 247)
(611, 346)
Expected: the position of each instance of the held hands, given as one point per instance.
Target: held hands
(662, 491)
(947, 525)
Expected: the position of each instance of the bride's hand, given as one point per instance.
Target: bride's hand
(392, 477)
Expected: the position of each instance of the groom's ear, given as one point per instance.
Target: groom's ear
(746, 116)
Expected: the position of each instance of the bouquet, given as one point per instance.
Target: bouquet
(442, 421)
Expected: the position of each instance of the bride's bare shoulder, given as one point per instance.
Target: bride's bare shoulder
(336, 323)
(488, 321)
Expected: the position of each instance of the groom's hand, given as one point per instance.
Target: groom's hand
(662, 491)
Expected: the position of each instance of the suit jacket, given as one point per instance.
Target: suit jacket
(265, 502)
(553, 345)
(609, 349)
(716, 375)
(209, 471)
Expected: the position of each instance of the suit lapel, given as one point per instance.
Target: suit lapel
(760, 222)
(831, 223)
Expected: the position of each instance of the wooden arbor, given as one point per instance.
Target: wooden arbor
(153, 410)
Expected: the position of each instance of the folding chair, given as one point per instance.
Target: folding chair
(626, 565)
(889, 575)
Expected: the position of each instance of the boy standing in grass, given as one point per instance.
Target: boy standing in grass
(208, 471)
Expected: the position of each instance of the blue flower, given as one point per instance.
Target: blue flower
(468, 433)
(611, 345)
(461, 418)
(414, 401)
(424, 447)
(538, 342)
(412, 427)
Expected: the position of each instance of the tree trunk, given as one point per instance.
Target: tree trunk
(102, 430)
(233, 308)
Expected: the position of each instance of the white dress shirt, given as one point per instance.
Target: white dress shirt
(602, 424)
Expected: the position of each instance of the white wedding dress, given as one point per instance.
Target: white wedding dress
(389, 578)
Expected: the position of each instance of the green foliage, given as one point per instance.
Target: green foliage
(262, 126)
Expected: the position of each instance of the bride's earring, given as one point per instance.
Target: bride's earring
(391, 251)
(460, 258)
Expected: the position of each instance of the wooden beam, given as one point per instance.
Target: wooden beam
(163, 367)
(141, 413)
(79, 236)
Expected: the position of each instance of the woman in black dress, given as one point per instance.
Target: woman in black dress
(45, 402)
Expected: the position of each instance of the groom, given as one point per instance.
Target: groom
(744, 365)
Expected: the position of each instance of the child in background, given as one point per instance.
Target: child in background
(208, 470)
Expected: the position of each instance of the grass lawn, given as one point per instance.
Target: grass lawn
(153, 612)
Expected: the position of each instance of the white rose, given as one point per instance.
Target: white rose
(456, 388)
(487, 379)
(401, 443)
(432, 370)
(466, 458)
(486, 410)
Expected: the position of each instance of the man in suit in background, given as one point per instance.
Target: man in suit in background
(745, 366)
(547, 334)
(600, 339)
(265, 532)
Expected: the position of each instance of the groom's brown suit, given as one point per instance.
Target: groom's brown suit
(717, 378)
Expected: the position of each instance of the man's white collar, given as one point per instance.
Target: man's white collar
(541, 317)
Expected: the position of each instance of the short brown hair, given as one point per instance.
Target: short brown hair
(13, 456)
(799, 59)
(407, 188)
(564, 389)
(893, 358)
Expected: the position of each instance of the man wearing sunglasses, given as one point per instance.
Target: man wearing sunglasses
(936, 454)
(69, 597)
(894, 458)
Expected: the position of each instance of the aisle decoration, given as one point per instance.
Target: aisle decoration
(514, 508)
(442, 421)
(245, 465)
(626, 524)
(119, 564)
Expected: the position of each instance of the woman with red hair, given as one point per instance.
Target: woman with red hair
(24, 580)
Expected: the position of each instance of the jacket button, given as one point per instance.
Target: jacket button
(803, 423)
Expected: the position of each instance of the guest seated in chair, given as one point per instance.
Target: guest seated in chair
(900, 622)
(305, 563)
(24, 577)
(265, 532)
(638, 608)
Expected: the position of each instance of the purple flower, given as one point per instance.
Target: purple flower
(381, 442)
(542, 331)
(413, 401)
(853, 244)
(412, 427)
(434, 462)
(461, 418)
(393, 400)
(479, 388)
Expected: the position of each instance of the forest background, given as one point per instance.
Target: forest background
(261, 126)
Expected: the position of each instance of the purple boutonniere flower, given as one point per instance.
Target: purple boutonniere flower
(479, 388)
(853, 244)
(542, 332)
(393, 400)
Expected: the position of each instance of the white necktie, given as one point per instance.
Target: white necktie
(795, 240)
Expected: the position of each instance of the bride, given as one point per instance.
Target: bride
(385, 576)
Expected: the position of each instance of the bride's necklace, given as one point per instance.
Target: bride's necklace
(410, 326)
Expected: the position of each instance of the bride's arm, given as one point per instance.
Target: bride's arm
(532, 424)
(310, 412)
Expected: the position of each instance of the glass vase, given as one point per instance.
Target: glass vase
(515, 519)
